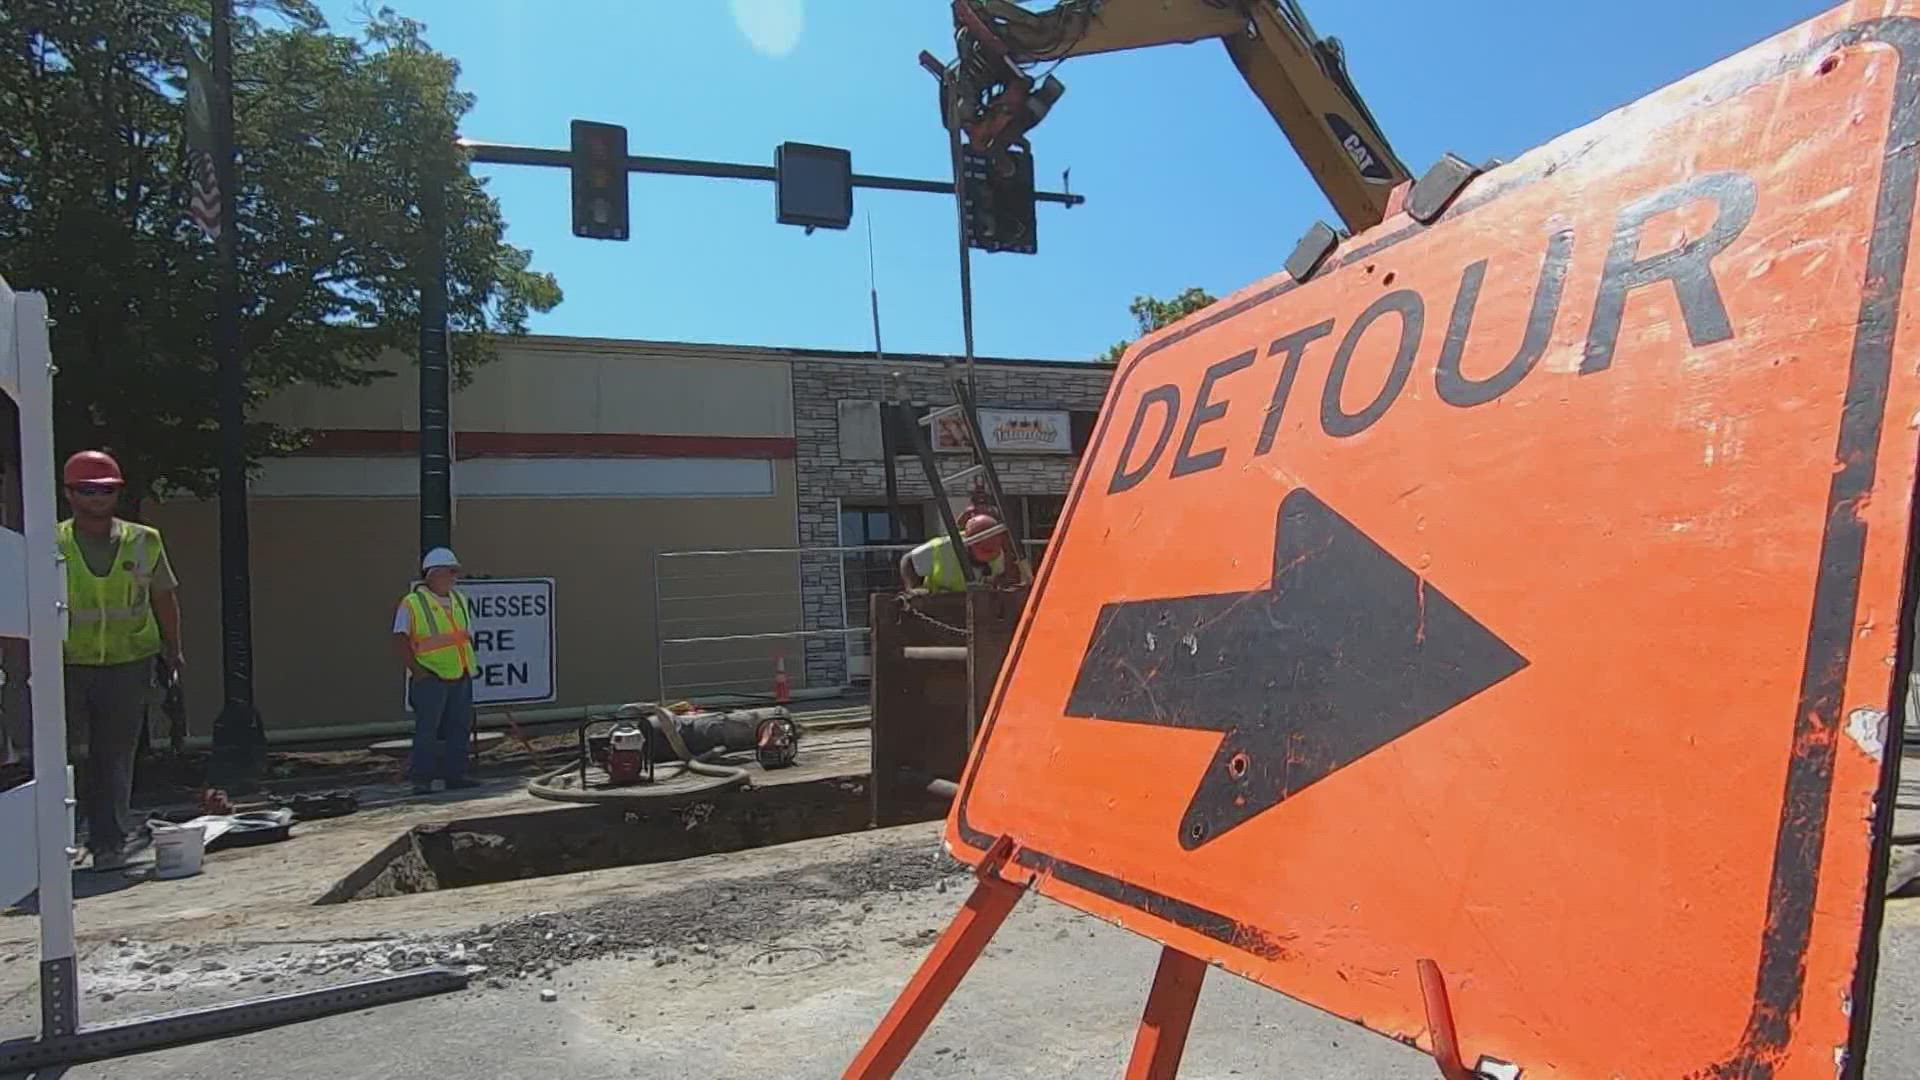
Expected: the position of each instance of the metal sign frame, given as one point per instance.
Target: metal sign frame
(26, 370)
(31, 568)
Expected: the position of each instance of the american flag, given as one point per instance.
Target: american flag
(203, 203)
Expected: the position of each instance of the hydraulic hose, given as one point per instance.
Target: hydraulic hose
(721, 776)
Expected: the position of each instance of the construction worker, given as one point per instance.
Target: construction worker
(122, 612)
(932, 567)
(431, 637)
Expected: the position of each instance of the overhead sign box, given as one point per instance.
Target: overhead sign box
(512, 625)
(1523, 592)
(813, 186)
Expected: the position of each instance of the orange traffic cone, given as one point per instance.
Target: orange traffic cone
(782, 692)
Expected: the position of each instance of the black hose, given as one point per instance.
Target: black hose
(544, 787)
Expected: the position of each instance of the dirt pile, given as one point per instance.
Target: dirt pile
(771, 922)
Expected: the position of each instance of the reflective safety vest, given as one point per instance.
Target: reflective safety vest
(110, 619)
(438, 632)
(947, 575)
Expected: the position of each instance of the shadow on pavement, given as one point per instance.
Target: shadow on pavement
(90, 883)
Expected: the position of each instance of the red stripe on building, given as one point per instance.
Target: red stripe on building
(477, 444)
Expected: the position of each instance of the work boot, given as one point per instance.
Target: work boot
(462, 784)
(115, 859)
(423, 789)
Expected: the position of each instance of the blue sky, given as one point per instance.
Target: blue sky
(1188, 180)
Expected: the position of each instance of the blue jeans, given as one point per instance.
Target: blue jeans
(442, 724)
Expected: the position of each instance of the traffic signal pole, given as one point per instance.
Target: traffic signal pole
(436, 429)
(483, 153)
(957, 154)
(436, 488)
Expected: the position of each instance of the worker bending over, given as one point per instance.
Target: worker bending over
(933, 567)
(122, 612)
(431, 636)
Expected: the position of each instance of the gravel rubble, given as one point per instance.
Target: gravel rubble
(703, 919)
(700, 921)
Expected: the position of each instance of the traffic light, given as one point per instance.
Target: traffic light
(599, 180)
(999, 200)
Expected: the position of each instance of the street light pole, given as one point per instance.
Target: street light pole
(238, 741)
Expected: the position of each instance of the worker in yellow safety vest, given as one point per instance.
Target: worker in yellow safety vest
(431, 636)
(122, 612)
(933, 567)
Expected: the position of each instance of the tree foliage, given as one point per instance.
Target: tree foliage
(1151, 313)
(334, 133)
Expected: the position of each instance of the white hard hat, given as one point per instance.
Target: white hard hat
(440, 557)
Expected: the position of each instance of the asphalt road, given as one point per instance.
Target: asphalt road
(774, 963)
(1058, 995)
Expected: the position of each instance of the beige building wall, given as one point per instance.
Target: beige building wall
(586, 385)
(599, 455)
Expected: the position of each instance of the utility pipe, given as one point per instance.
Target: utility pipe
(935, 652)
(932, 785)
(495, 720)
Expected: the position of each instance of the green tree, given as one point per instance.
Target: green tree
(334, 133)
(1150, 314)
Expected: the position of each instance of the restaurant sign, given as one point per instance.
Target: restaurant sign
(1009, 431)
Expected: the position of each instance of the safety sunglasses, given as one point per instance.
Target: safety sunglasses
(94, 489)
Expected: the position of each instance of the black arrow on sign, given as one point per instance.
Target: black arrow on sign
(1346, 650)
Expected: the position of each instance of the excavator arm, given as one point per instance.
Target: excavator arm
(1300, 77)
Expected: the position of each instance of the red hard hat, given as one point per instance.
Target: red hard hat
(976, 524)
(978, 521)
(91, 467)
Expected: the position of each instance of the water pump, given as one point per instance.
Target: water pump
(629, 760)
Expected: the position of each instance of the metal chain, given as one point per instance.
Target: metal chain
(924, 617)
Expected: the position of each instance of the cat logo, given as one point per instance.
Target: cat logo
(1358, 151)
(1370, 163)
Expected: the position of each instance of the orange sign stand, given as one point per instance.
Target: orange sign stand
(1493, 638)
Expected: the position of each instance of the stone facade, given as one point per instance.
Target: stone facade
(824, 479)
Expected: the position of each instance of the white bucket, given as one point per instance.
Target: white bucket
(177, 850)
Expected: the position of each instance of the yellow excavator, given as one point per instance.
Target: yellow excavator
(1299, 76)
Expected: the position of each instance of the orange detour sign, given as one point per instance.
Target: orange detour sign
(1492, 639)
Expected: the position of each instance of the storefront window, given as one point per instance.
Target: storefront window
(1039, 514)
(863, 525)
(1043, 513)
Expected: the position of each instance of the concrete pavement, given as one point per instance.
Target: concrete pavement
(791, 991)
(769, 963)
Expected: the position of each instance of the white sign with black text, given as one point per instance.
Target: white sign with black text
(512, 627)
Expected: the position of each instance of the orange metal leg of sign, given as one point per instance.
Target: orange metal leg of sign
(1169, 1013)
(959, 946)
(1446, 1043)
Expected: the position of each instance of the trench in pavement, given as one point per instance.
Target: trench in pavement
(542, 843)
